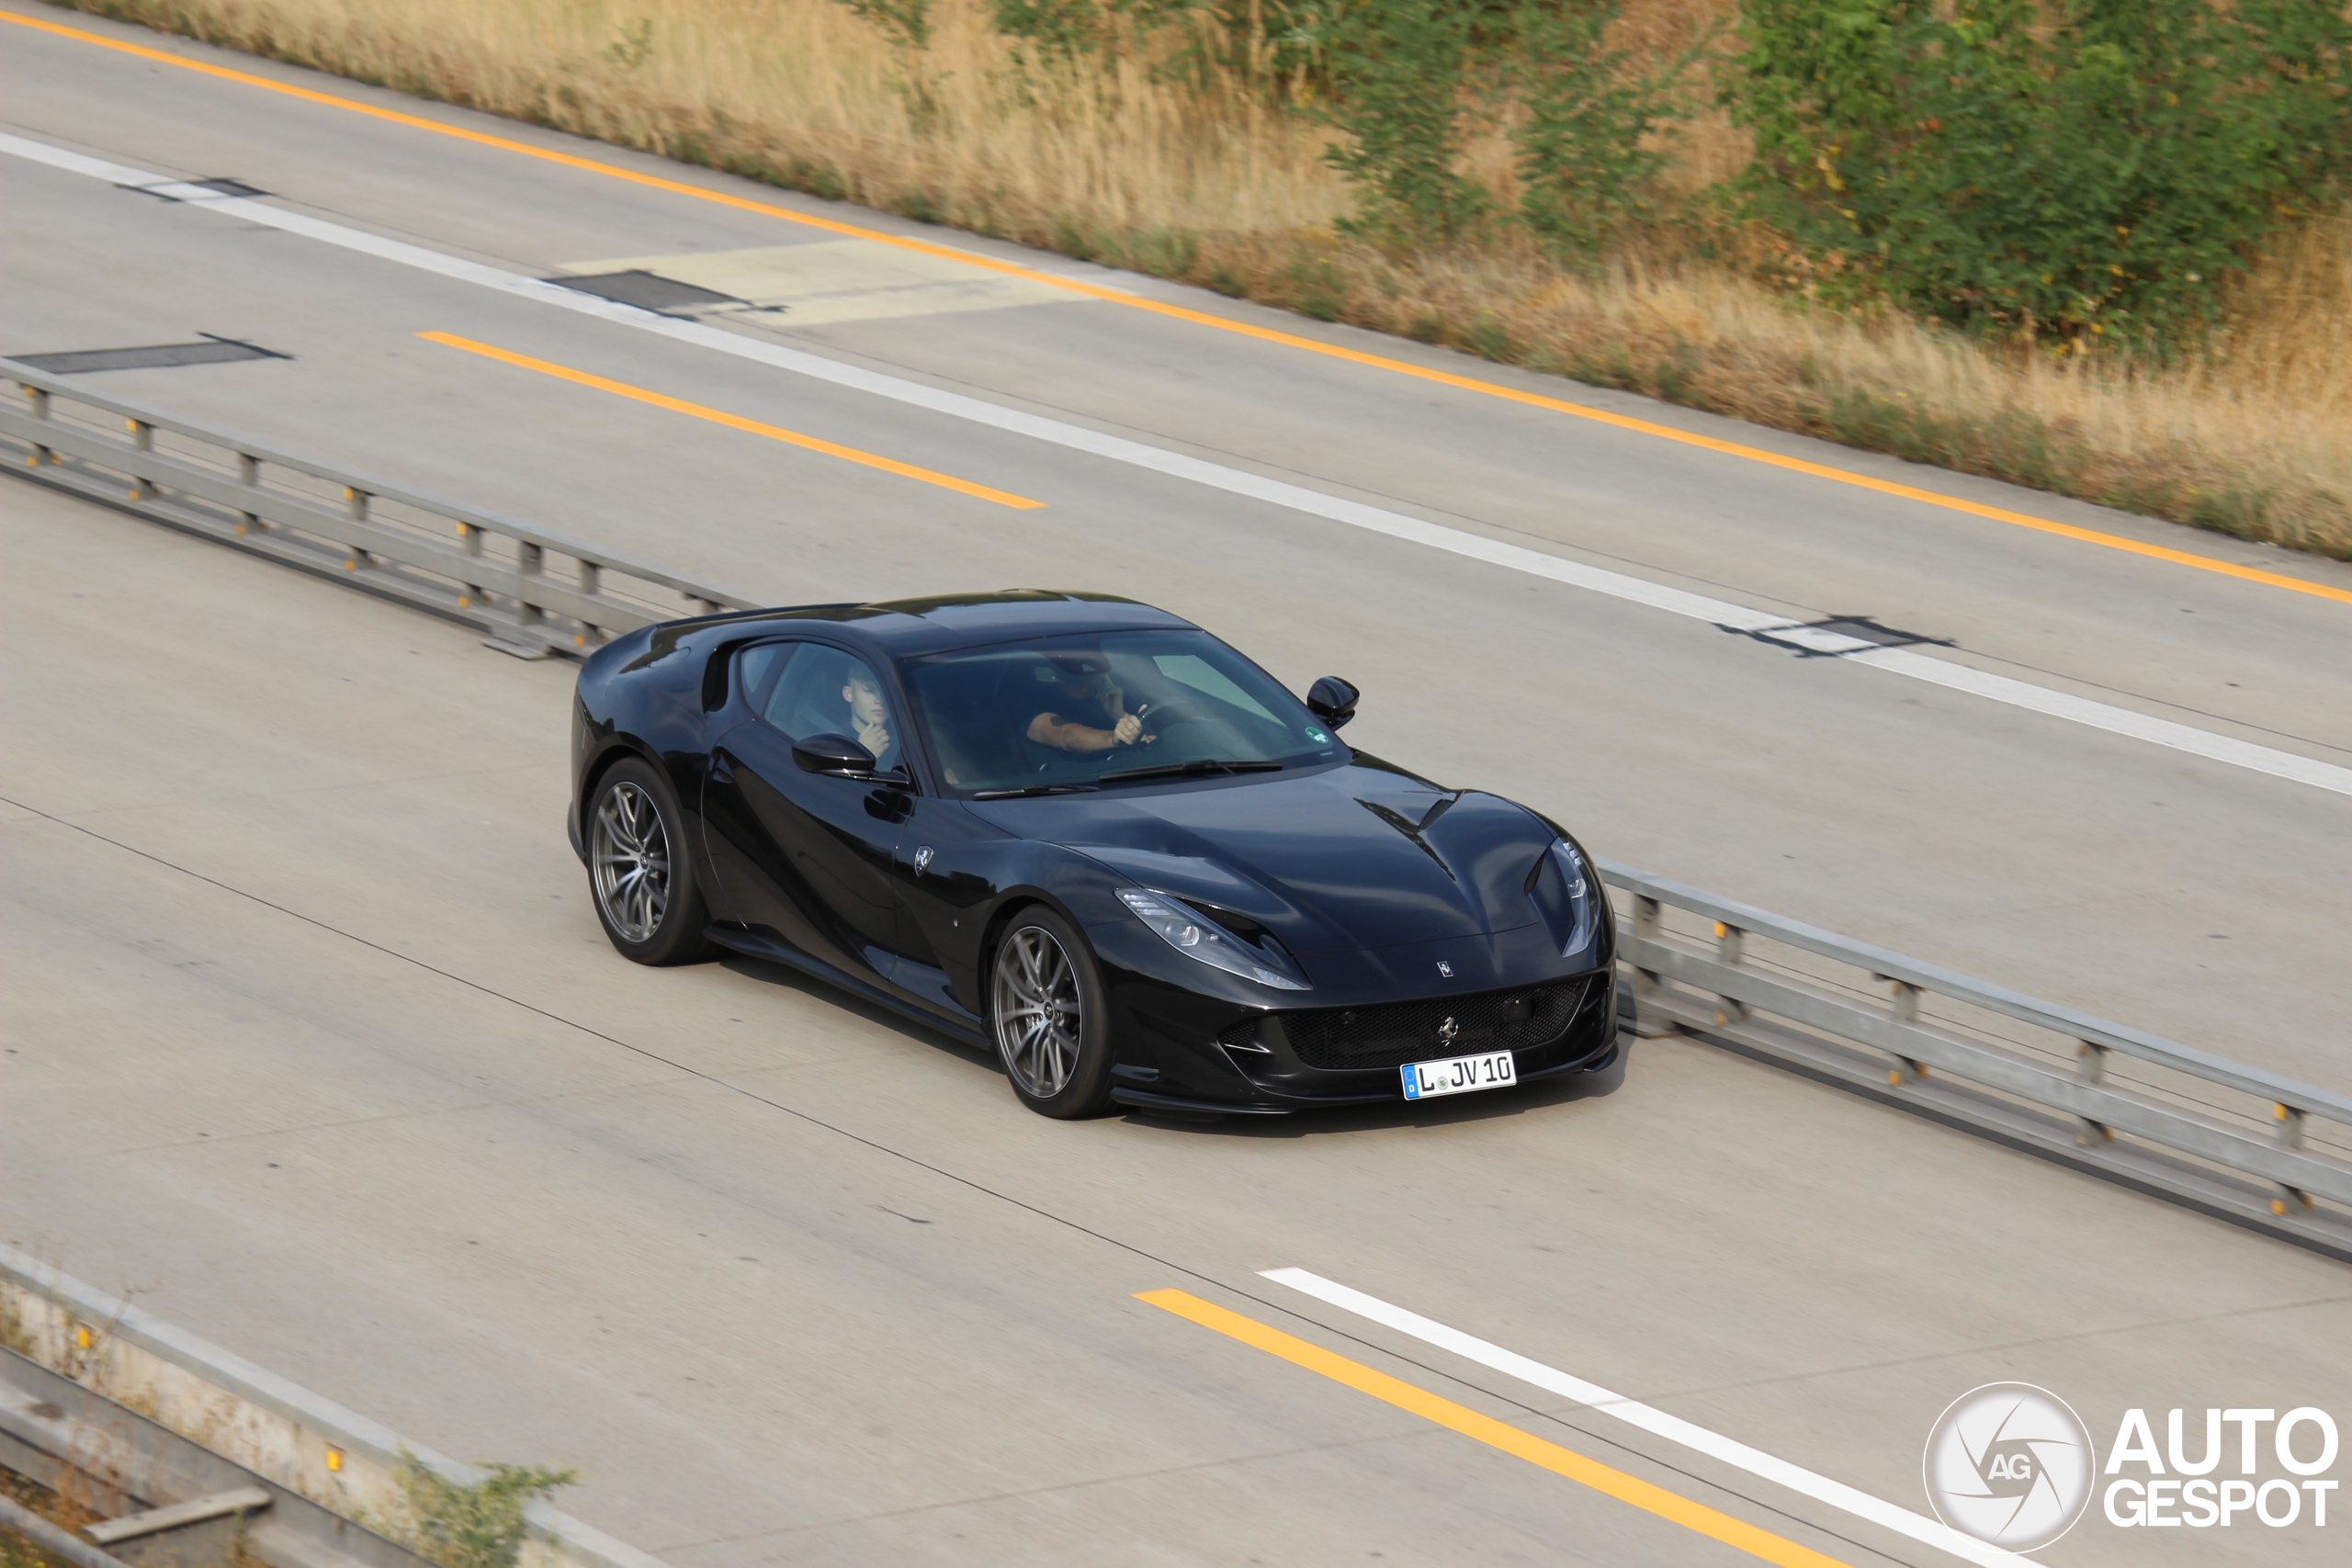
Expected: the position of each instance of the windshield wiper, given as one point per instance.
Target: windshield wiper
(1197, 768)
(1027, 790)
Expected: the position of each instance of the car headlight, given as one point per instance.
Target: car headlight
(1194, 935)
(1583, 892)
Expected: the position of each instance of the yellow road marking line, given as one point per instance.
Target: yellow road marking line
(1203, 317)
(1669, 1505)
(732, 421)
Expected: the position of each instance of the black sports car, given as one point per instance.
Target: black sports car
(1087, 835)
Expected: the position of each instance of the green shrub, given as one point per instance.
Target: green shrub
(2073, 167)
(473, 1526)
(906, 23)
(1583, 166)
(1398, 70)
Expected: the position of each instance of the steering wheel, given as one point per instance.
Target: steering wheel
(1161, 716)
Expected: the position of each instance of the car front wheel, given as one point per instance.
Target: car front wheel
(641, 870)
(1047, 1012)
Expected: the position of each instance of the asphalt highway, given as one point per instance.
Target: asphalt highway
(315, 1042)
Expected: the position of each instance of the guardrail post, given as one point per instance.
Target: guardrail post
(248, 474)
(1730, 943)
(2290, 1136)
(469, 537)
(40, 401)
(707, 606)
(526, 635)
(1648, 1025)
(591, 582)
(355, 558)
(529, 560)
(1906, 1009)
(2090, 1067)
(142, 439)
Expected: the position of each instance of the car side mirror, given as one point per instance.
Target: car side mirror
(835, 754)
(1332, 700)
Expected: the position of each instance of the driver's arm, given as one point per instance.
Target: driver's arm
(1051, 729)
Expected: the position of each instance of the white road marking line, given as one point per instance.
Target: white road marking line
(1820, 1488)
(1295, 498)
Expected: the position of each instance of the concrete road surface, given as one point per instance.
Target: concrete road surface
(314, 1043)
(314, 1047)
(2194, 898)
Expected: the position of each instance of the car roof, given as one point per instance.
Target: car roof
(900, 628)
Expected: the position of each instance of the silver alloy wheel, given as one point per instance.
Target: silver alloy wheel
(630, 855)
(1038, 1014)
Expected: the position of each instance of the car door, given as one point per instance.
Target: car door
(944, 894)
(806, 857)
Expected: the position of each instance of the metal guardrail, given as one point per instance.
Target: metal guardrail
(2231, 1140)
(286, 1436)
(180, 1500)
(507, 577)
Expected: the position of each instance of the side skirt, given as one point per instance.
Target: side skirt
(769, 951)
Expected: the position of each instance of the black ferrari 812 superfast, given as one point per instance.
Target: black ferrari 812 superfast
(1090, 837)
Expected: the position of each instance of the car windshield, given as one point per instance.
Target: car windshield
(1083, 711)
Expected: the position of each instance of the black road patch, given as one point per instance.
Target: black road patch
(1861, 628)
(161, 356)
(219, 185)
(646, 291)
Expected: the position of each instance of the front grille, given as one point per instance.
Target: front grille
(1390, 1034)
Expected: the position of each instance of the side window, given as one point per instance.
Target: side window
(757, 667)
(826, 692)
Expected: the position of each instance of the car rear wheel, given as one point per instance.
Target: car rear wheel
(641, 870)
(1047, 1012)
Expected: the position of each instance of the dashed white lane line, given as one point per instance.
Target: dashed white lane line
(1657, 1423)
(1296, 498)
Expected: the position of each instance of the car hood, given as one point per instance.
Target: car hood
(1340, 860)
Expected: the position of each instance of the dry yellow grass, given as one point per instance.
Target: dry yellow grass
(1205, 181)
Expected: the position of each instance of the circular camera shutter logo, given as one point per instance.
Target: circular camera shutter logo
(2011, 1464)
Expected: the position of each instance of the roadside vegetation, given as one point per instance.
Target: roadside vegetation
(479, 1525)
(2101, 247)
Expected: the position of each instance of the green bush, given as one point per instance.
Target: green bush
(906, 23)
(2073, 167)
(1398, 70)
(1408, 80)
(473, 1526)
(1584, 116)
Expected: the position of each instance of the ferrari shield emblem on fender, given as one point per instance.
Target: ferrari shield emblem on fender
(922, 857)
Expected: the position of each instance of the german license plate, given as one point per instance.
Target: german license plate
(1460, 1074)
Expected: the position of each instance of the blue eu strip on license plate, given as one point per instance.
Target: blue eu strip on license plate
(1459, 1074)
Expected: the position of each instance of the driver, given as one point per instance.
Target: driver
(1095, 717)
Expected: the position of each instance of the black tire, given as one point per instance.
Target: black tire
(640, 869)
(1040, 973)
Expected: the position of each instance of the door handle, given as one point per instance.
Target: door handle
(721, 772)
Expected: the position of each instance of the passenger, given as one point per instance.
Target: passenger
(1098, 718)
(869, 717)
